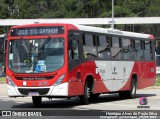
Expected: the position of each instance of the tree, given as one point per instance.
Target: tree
(27, 9)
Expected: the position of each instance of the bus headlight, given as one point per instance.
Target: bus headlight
(60, 79)
(10, 82)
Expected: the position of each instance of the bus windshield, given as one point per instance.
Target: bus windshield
(36, 55)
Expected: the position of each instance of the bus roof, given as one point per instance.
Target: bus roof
(114, 32)
(97, 30)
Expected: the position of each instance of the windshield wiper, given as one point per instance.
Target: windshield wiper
(25, 46)
(46, 41)
(43, 46)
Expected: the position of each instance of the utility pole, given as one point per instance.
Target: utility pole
(112, 14)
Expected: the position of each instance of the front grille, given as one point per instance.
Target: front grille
(41, 91)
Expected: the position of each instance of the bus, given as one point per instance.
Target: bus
(58, 60)
(157, 57)
(2, 54)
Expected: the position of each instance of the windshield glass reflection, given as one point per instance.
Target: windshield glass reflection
(36, 55)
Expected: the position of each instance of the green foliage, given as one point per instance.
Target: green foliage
(158, 80)
(77, 8)
(29, 9)
(2, 79)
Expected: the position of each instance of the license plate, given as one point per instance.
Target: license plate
(33, 93)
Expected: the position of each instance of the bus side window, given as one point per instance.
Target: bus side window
(104, 44)
(89, 46)
(148, 52)
(73, 49)
(153, 52)
(139, 50)
(116, 50)
(128, 52)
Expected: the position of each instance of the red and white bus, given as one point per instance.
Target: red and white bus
(66, 60)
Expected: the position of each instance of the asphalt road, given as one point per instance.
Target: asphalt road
(105, 102)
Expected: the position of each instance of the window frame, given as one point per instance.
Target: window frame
(132, 39)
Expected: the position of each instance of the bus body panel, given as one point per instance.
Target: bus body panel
(88, 69)
(146, 76)
(106, 81)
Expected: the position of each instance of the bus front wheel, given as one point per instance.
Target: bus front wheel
(85, 99)
(94, 97)
(37, 101)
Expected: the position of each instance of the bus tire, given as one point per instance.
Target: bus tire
(37, 101)
(85, 99)
(123, 95)
(94, 97)
(131, 93)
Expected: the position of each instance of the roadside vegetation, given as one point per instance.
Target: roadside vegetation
(2, 79)
(158, 80)
(33, 9)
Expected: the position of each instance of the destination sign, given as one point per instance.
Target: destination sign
(37, 31)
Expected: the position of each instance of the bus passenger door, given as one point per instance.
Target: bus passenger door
(74, 66)
(118, 67)
(118, 75)
(121, 71)
(121, 68)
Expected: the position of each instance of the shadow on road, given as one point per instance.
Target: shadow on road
(69, 104)
(145, 95)
(57, 104)
(115, 97)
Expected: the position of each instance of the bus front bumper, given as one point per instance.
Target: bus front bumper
(58, 90)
